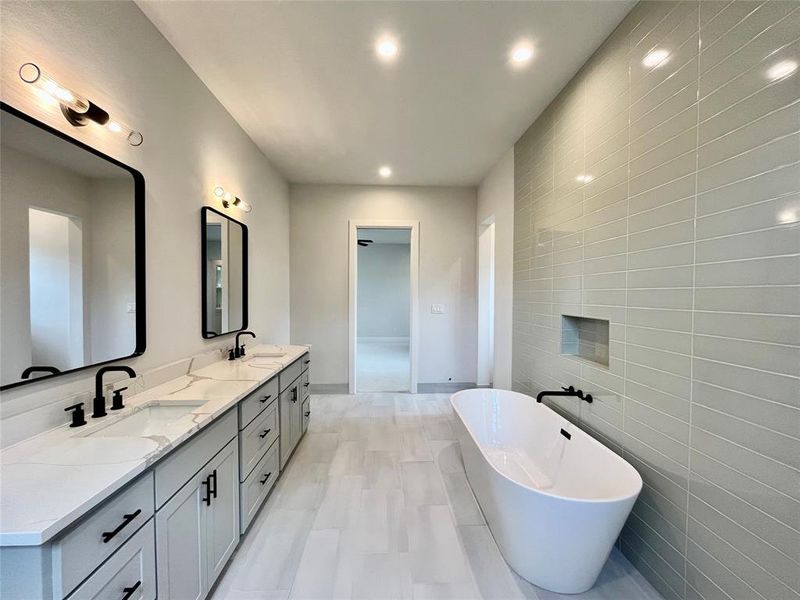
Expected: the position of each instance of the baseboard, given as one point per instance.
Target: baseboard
(444, 388)
(384, 340)
(328, 388)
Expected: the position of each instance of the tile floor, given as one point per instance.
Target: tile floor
(375, 504)
(382, 366)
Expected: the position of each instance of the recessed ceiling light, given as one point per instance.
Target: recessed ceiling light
(781, 69)
(521, 53)
(386, 48)
(655, 58)
(584, 178)
(385, 171)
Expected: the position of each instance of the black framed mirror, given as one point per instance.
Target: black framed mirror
(224, 273)
(72, 254)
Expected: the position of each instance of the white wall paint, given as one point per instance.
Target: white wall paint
(114, 55)
(383, 291)
(319, 281)
(496, 199)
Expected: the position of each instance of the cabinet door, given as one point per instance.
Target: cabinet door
(180, 543)
(288, 401)
(222, 516)
(297, 416)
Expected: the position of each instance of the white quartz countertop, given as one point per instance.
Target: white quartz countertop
(49, 481)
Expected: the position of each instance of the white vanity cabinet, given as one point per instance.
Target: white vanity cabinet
(197, 528)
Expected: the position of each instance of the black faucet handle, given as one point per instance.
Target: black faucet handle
(78, 416)
(116, 399)
(241, 350)
(569, 389)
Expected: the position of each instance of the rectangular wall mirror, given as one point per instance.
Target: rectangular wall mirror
(224, 273)
(72, 285)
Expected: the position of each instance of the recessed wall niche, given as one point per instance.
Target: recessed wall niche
(585, 338)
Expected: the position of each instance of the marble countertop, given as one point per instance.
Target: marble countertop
(49, 481)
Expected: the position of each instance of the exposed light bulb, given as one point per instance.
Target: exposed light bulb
(33, 75)
(219, 191)
(782, 69)
(385, 171)
(386, 48)
(656, 58)
(134, 137)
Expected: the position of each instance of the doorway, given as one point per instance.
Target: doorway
(55, 266)
(383, 306)
(486, 292)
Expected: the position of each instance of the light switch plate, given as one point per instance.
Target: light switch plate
(437, 309)
(131, 307)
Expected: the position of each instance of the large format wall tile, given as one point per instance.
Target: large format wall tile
(665, 198)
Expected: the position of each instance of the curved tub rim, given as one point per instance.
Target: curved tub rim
(538, 490)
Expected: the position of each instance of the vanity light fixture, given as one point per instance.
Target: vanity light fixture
(229, 199)
(77, 109)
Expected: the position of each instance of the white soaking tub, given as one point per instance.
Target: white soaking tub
(555, 503)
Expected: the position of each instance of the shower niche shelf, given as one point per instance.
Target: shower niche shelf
(585, 338)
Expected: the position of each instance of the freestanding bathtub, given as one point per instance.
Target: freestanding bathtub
(554, 498)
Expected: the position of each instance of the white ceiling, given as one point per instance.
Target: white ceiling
(303, 80)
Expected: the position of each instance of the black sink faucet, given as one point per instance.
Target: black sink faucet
(99, 402)
(238, 350)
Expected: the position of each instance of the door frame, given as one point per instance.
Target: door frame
(413, 342)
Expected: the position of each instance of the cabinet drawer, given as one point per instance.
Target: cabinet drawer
(183, 463)
(304, 384)
(256, 402)
(292, 372)
(98, 536)
(129, 574)
(305, 361)
(257, 486)
(306, 413)
(256, 438)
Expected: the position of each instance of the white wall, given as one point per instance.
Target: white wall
(496, 199)
(384, 286)
(114, 55)
(319, 281)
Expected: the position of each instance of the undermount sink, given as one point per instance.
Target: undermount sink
(150, 420)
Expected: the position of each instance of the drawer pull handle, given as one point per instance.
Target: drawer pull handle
(265, 398)
(126, 520)
(264, 433)
(308, 413)
(130, 590)
(211, 492)
(267, 476)
(306, 384)
(213, 476)
(307, 362)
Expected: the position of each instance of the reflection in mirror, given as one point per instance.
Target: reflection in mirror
(68, 287)
(224, 273)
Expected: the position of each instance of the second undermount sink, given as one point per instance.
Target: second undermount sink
(150, 420)
(265, 355)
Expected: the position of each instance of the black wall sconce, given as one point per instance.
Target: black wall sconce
(229, 199)
(78, 110)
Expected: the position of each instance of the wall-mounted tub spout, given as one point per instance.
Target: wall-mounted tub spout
(567, 391)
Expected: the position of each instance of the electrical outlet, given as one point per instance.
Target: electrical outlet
(437, 309)
(131, 307)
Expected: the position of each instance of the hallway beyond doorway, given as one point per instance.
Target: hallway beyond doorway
(383, 366)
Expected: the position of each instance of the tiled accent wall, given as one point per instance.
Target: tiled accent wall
(665, 198)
